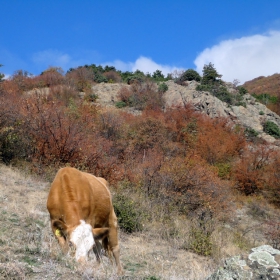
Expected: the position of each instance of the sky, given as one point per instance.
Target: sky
(240, 37)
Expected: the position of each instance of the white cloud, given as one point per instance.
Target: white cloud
(52, 58)
(245, 58)
(147, 65)
(48, 58)
(144, 64)
(7, 76)
(120, 65)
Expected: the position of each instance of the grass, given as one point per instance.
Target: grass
(28, 249)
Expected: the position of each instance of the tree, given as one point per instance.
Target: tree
(1, 75)
(190, 75)
(210, 74)
(53, 76)
(158, 76)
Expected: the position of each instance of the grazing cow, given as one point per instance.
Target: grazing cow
(81, 213)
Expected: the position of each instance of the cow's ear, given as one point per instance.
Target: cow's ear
(100, 233)
(60, 228)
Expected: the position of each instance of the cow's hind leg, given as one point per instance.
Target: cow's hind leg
(114, 247)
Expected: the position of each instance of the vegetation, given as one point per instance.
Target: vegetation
(272, 129)
(163, 87)
(266, 91)
(211, 81)
(129, 216)
(175, 165)
(265, 98)
(188, 75)
(1, 75)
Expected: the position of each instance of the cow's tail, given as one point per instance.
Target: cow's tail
(106, 247)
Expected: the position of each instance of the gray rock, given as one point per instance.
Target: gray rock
(261, 263)
(253, 115)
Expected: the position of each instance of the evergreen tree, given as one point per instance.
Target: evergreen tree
(210, 75)
(1, 75)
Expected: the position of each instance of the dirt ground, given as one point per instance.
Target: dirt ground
(28, 249)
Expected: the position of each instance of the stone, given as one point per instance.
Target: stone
(260, 263)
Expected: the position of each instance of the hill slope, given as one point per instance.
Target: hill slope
(253, 115)
(29, 251)
(269, 84)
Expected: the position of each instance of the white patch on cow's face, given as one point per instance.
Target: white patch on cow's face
(82, 238)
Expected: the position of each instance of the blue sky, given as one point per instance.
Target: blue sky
(241, 38)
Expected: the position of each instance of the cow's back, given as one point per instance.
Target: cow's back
(75, 196)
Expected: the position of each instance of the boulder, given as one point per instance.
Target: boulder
(261, 263)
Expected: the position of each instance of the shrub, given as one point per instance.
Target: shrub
(141, 95)
(99, 78)
(251, 170)
(223, 170)
(203, 88)
(120, 104)
(92, 97)
(138, 77)
(272, 233)
(266, 98)
(272, 129)
(163, 87)
(223, 94)
(129, 217)
(200, 240)
(251, 134)
(80, 78)
(113, 76)
(53, 76)
(190, 75)
(242, 90)
(240, 103)
(124, 95)
(261, 113)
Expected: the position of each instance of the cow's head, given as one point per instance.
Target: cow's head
(81, 237)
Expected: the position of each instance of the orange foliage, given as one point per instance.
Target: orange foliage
(218, 142)
(250, 171)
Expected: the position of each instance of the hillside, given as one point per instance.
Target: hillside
(193, 167)
(262, 84)
(29, 250)
(177, 95)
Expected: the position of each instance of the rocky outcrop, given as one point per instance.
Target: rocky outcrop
(252, 115)
(261, 263)
(107, 93)
(178, 95)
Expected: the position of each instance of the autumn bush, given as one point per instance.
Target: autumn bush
(218, 141)
(113, 76)
(272, 232)
(11, 144)
(81, 79)
(142, 95)
(249, 171)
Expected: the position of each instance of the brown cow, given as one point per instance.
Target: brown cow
(82, 213)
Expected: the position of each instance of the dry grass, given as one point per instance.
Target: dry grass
(28, 249)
